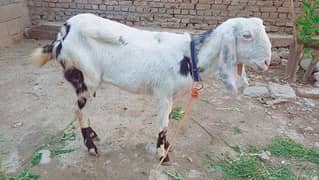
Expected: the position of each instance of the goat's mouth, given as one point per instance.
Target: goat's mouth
(260, 67)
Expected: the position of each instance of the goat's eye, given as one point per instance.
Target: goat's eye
(247, 35)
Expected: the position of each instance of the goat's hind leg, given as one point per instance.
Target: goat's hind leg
(76, 78)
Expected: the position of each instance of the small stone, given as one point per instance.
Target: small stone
(45, 156)
(315, 178)
(316, 76)
(308, 129)
(308, 92)
(17, 124)
(281, 91)
(283, 53)
(316, 145)
(309, 103)
(265, 155)
(256, 91)
(284, 62)
(275, 59)
(194, 174)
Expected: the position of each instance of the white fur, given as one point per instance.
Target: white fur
(148, 62)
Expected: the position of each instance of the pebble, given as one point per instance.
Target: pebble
(307, 129)
(281, 91)
(265, 155)
(17, 124)
(45, 156)
(194, 174)
(317, 145)
(256, 91)
(309, 103)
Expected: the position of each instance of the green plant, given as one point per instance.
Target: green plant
(249, 166)
(308, 25)
(25, 175)
(175, 175)
(237, 130)
(177, 113)
(286, 147)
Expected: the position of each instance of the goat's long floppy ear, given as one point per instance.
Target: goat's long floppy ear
(228, 59)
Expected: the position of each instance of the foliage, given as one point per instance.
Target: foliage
(175, 175)
(249, 166)
(177, 113)
(308, 24)
(288, 148)
(25, 175)
(237, 130)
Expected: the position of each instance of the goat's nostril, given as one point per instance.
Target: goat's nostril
(267, 63)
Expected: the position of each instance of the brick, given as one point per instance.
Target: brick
(268, 9)
(102, 6)
(65, 1)
(125, 2)
(95, 1)
(187, 6)
(202, 6)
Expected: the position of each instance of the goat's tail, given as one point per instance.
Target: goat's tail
(41, 56)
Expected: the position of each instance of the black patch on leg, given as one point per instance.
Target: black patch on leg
(88, 136)
(81, 102)
(162, 140)
(58, 50)
(75, 77)
(185, 66)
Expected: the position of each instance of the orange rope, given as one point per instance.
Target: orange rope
(195, 94)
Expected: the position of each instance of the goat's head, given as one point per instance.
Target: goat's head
(245, 41)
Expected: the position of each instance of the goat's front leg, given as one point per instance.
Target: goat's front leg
(76, 78)
(164, 109)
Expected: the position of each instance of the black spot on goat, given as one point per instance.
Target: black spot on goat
(185, 66)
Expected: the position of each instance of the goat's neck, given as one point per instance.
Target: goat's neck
(208, 54)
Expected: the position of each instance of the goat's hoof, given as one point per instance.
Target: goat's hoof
(166, 161)
(93, 152)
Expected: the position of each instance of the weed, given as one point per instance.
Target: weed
(175, 175)
(288, 148)
(204, 100)
(177, 113)
(25, 175)
(237, 130)
(248, 166)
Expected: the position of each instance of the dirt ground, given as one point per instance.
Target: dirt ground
(37, 103)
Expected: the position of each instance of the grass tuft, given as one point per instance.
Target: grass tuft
(237, 130)
(177, 113)
(288, 148)
(25, 175)
(175, 175)
(250, 167)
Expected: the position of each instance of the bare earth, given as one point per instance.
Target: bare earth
(37, 103)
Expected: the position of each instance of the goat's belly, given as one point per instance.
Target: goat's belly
(130, 84)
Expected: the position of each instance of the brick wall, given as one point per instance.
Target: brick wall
(190, 14)
(14, 18)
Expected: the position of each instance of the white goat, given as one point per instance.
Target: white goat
(92, 50)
